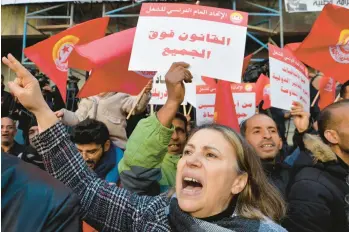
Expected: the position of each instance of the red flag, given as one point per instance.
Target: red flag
(260, 84)
(292, 47)
(247, 60)
(224, 110)
(212, 82)
(51, 55)
(266, 97)
(110, 66)
(326, 48)
(327, 88)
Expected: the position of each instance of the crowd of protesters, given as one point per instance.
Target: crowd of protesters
(163, 178)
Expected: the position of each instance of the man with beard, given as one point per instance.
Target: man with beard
(91, 137)
(150, 168)
(8, 132)
(318, 194)
(262, 133)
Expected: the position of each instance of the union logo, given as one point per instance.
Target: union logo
(266, 90)
(236, 17)
(62, 50)
(248, 87)
(340, 52)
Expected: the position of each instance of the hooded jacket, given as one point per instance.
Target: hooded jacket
(110, 109)
(318, 189)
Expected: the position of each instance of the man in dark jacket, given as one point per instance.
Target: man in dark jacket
(8, 132)
(261, 132)
(92, 140)
(32, 200)
(318, 195)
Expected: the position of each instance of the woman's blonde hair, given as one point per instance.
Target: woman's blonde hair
(259, 198)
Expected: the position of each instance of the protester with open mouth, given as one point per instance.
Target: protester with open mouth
(220, 182)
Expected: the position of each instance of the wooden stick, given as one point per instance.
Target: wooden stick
(338, 97)
(137, 101)
(190, 108)
(185, 110)
(316, 97)
(151, 109)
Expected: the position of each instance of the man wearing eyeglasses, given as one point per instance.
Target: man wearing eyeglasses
(91, 137)
(318, 198)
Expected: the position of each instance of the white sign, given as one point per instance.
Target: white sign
(159, 95)
(288, 80)
(8, 2)
(211, 40)
(293, 6)
(244, 100)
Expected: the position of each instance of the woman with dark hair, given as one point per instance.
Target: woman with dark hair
(220, 184)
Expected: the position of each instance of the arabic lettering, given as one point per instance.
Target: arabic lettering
(192, 38)
(205, 106)
(158, 9)
(193, 53)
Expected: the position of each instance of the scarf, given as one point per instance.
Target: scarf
(183, 222)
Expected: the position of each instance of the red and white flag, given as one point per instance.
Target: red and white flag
(326, 48)
(51, 55)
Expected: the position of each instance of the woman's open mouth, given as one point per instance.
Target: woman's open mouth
(191, 186)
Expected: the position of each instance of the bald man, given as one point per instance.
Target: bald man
(318, 195)
(8, 132)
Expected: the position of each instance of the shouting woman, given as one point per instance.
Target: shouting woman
(220, 184)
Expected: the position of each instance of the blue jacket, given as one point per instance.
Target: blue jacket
(107, 167)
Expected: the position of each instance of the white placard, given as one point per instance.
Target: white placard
(244, 100)
(159, 95)
(288, 80)
(294, 6)
(211, 40)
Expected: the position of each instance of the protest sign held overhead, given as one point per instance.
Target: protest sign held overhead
(159, 95)
(54, 55)
(294, 6)
(244, 100)
(288, 79)
(211, 40)
(330, 54)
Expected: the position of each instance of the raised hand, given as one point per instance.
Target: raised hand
(25, 87)
(175, 78)
(300, 117)
(27, 90)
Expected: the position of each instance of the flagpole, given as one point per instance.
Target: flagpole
(151, 109)
(135, 105)
(316, 97)
(338, 97)
(185, 110)
(190, 108)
